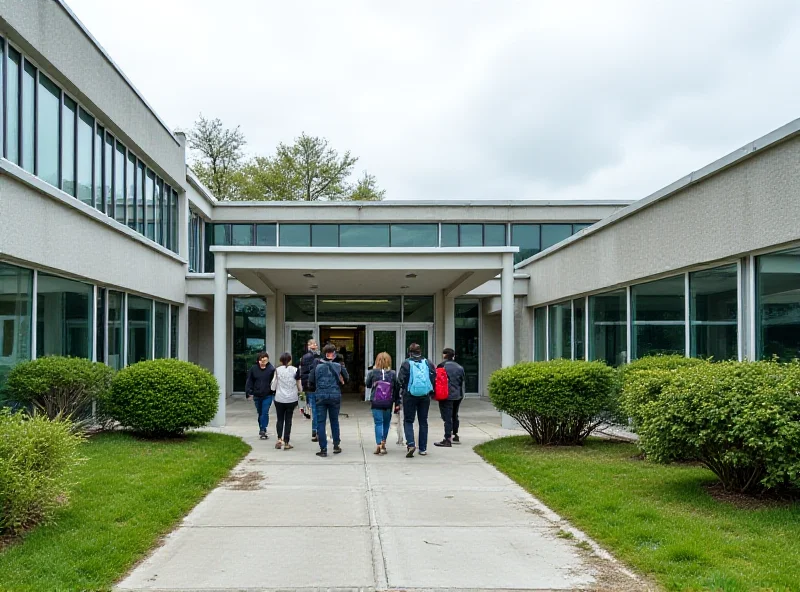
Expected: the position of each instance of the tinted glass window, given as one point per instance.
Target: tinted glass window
(12, 104)
(158, 211)
(162, 330)
(467, 346)
(659, 317)
(85, 139)
(108, 175)
(130, 179)
(149, 196)
(64, 317)
(140, 205)
(295, 235)
(472, 235)
(364, 235)
(266, 235)
(415, 235)
(99, 140)
(242, 235)
(358, 308)
(418, 309)
(554, 233)
(778, 305)
(560, 322)
(300, 309)
(527, 238)
(494, 235)
(608, 320)
(324, 235)
(140, 333)
(119, 183)
(449, 235)
(16, 286)
(714, 313)
(69, 113)
(28, 116)
(47, 130)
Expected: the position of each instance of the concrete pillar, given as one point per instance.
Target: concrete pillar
(507, 310)
(449, 321)
(220, 333)
(272, 326)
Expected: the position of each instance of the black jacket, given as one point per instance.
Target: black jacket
(455, 379)
(389, 376)
(258, 381)
(404, 374)
(308, 363)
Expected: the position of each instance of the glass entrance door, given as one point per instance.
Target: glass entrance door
(382, 338)
(297, 336)
(420, 334)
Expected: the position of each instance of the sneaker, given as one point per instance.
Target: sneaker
(410, 451)
(455, 439)
(314, 437)
(322, 453)
(444, 443)
(336, 449)
(262, 434)
(423, 453)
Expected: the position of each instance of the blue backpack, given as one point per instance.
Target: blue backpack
(419, 383)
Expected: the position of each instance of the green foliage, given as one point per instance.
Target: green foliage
(59, 387)
(163, 397)
(740, 419)
(36, 460)
(557, 402)
(670, 362)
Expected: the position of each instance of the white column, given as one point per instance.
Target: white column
(449, 321)
(220, 333)
(507, 310)
(272, 327)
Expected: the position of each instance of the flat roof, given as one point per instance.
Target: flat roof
(478, 203)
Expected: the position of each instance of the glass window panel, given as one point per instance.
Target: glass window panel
(364, 235)
(13, 104)
(467, 345)
(47, 130)
(471, 235)
(116, 329)
(194, 239)
(249, 337)
(120, 207)
(298, 339)
(130, 179)
(418, 309)
(266, 235)
(16, 285)
(539, 334)
(63, 317)
(527, 238)
(140, 329)
(108, 175)
(99, 141)
(714, 312)
(560, 344)
(449, 235)
(554, 233)
(100, 325)
(149, 200)
(608, 320)
(324, 235)
(162, 329)
(295, 235)
(242, 235)
(174, 221)
(659, 315)
(158, 211)
(69, 113)
(362, 309)
(140, 205)
(2, 95)
(778, 305)
(581, 226)
(85, 139)
(173, 332)
(299, 309)
(494, 235)
(419, 336)
(28, 116)
(415, 235)
(222, 234)
(579, 328)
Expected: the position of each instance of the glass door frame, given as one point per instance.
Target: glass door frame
(298, 326)
(370, 354)
(419, 327)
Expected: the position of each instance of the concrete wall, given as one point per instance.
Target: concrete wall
(201, 339)
(490, 336)
(750, 206)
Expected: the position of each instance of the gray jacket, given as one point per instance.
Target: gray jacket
(456, 379)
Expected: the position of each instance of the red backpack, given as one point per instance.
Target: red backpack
(441, 391)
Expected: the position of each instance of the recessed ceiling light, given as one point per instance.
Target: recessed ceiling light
(308, 275)
(314, 286)
(403, 287)
(411, 276)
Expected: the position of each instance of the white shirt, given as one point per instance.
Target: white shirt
(285, 385)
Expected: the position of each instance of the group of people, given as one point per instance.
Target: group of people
(407, 391)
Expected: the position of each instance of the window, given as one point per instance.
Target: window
(28, 117)
(299, 309)
(471, 235)
(194, 241)
(116, 330)
(527, 238)
(560, 344)
(100, 325)
(47, 130)
(85, 135)
(120, 207)
(324, 235)
(778, 305)
(173, 204)
(157, 211)
(69, 115)
(173, 332)
(363, 309)
(140, 331)
(149, 197)
(13, 105)
(364, 235)
(467, 345)
(140, 205)
(579, 328)
(415, 235)
(714, 313)
(249, 336)
(2, 101)
(130, 191)
(16, 285)
(162, 330)
(99, 138)
(266, 235)
(108, 175)
(63, 317)
(578, 227)
(449, 235)
(539, 334)
(295, 235)
(418, 309)
(494, 235)
(554, 233)
(608, 321)
(659, 317)
(242, 235)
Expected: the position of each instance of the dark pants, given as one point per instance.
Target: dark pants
(262, 409)
(328, 407)
(416, 407)
(285, 412)
(446, 411)
(456, 405)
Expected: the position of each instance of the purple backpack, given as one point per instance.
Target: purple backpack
(382, 393)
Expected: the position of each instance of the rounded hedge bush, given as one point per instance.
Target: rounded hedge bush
(59, 387)
(740, 419)
(557, 402)
(163, 397)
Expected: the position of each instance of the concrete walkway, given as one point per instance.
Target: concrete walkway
(290, 520)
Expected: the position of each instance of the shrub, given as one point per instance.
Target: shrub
(163, 397)
(59, 387)
(558, 402)
(740, 419)
(36, 458)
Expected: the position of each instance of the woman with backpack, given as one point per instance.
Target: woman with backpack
(385, 396)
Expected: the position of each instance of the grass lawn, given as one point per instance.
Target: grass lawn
(658, 519)
(129, 493)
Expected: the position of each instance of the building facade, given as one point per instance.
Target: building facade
(111, 249)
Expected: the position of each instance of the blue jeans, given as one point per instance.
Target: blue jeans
(262, 408)
(328, 407)
(311, 399)
(383, 420)
(416, 406)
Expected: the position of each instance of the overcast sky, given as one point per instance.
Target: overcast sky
(470, 100)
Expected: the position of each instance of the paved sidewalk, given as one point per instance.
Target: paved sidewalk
(290, 520)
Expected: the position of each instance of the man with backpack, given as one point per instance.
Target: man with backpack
(449, 391)
(416, 378)
(327, 380)
(308, 364)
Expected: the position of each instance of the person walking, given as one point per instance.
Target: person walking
(308, 363)
(416, 377)
(448, 408)
(327, 380)
(287, 394)
(258, 387)
(384, 397)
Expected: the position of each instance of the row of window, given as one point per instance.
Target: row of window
(68, 314)
(50, 135)
(359, 309)
(661, 322)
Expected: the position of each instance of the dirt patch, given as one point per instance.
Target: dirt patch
(745, 501)
(246, 481)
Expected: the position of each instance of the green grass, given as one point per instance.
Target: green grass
(658, 519)
(129, 492)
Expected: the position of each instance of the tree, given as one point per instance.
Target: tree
(318, 169)
(217, 155)
(366, 189)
